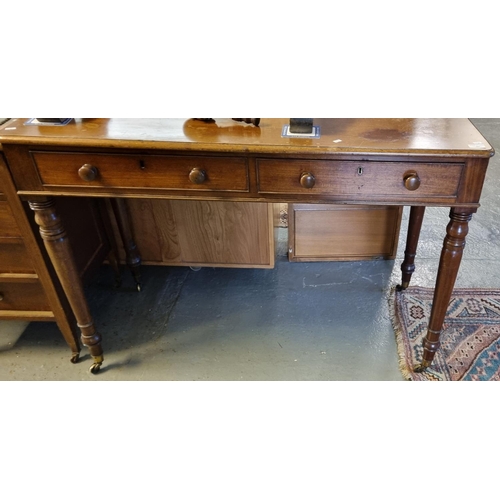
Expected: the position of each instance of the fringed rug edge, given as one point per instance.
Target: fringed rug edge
(398, 331)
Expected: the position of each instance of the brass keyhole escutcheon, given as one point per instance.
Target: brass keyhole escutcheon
(307, 180)
(411, 181)
(88, 172)
(197, 176)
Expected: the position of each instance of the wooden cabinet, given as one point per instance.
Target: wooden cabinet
(342, 232)
(202, 233)
(29, 288)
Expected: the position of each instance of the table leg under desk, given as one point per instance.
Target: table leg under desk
(414, 227)
(451, 256)
(58, 247)
(113, 253)
(133, 256)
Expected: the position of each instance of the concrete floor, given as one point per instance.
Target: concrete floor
(298, 321)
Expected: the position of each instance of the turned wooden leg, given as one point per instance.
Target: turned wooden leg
(408, 265)
(449, 264)
(58, 247)
(133, 257)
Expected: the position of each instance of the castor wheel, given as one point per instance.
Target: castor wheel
(421, 368)
(195, 269)
(75, 357)
(94, 369)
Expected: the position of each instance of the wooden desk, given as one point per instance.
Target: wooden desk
(415, 162)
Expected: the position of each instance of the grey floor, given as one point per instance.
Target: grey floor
(298, 321)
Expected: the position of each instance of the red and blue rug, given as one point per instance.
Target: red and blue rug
(470, 341)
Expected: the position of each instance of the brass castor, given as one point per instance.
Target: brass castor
(75, 357)
(94, 369)
(421, 368)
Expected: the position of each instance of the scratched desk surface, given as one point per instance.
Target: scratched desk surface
(441, 136)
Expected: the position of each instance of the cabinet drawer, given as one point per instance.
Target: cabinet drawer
(363, 179)
(22, 296)
(14, 257)
(8, 225)
(135, 171)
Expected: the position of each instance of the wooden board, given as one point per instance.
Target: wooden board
(202, 233)
(342, 232)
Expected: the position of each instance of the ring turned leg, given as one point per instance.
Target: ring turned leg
(133, 257)
(60, 253)
(449, 264)
(414, 227)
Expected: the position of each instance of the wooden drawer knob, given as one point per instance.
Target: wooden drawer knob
(307, 180)
(411, 181)
(197, 176)
(88, 172)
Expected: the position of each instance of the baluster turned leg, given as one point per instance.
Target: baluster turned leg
(408, 265)
(449, 264)
(133, 257)
(59, 249)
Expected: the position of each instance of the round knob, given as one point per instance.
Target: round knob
(307, 180)
(197, 176)
(411, 181)
(88, 172)
(1, 297)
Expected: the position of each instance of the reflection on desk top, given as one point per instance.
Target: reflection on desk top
(431, 136)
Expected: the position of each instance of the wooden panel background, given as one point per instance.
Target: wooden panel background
(201, 233)
(343, 232)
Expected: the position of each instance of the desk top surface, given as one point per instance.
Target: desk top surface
(429, 136)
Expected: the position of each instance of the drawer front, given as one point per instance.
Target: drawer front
(193, 173)
(8, 225)
(14, 257)
(363, 179)
(17, 296)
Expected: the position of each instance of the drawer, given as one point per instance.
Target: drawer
(22, 296)
(186, 173)
(363, 179)
(8, 225)
(14, 257)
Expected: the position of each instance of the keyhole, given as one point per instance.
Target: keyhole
(360, 170)
(142, 166)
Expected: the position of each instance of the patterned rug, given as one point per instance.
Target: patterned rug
(470, 341)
